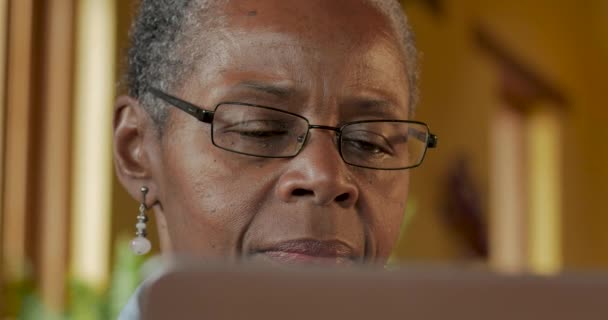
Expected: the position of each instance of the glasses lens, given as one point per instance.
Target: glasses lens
(384, 145)
(258, 131)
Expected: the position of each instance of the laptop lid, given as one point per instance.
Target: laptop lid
(253, 292)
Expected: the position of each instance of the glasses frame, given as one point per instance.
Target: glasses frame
(207, 116)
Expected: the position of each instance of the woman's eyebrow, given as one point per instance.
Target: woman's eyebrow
(280, 91)
(371, 103)
(376, 106)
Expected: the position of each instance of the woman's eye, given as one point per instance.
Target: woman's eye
(368, 147)
(259, 129)
(262, 133)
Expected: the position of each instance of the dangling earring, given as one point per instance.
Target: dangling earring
(140, 245)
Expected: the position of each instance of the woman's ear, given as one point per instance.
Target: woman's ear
(136, 142)
(134, 139)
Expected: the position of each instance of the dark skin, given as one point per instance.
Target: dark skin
(329, 61)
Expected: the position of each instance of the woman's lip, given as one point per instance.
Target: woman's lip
(283, 257)
(309, 251)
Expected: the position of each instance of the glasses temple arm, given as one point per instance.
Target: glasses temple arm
(200, 114)
(432, 141)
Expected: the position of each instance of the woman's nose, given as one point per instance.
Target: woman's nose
(318, 174)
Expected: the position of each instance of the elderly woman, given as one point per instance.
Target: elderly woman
(271, 130)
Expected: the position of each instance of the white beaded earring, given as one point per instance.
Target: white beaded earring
(140, 245)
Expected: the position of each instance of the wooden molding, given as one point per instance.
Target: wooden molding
(521, 85)
(435, 6)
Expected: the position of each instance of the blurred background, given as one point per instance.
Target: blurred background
(514, 89)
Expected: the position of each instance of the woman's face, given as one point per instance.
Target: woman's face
(330, 61)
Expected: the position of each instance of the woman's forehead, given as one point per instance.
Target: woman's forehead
(279, 39)
(286, 68)
(310, 17)
(342, 50)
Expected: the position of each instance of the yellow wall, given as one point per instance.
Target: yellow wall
(565, 42)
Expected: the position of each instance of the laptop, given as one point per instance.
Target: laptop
(221, 292)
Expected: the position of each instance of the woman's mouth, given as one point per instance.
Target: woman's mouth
(308, 252)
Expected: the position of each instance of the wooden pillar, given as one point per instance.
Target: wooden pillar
(54, 181)
(526, 176)
(508, 197)
(3, 59)
(544, 184)
(17, 156)
(92, 179)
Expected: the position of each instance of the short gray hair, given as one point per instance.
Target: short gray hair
(161, 54)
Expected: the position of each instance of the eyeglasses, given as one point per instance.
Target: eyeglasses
(267, 132)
